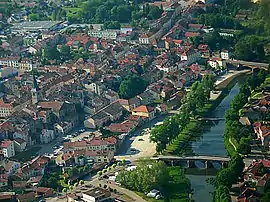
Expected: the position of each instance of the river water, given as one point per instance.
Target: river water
(211, 143)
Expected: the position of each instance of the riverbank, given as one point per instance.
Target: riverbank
(224, 80)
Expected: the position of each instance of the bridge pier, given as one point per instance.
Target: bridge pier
(206, 164)
(172, 163)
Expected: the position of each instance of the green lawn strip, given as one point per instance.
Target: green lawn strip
(26, 155)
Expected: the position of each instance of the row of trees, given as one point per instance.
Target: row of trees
(172, 127)
(108, 11)
(217, 20)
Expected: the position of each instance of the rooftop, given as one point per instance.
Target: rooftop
(98, 192)
(35, 24)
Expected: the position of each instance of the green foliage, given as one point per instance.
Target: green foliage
(33, 16)
(264, 13)
(175, 131)
(112, 25)
(119, 11)
(250, 48)
(217, 20)
(145, 178)
(73, 172)
(131, 86)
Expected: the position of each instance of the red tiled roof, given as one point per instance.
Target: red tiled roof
(5, 105)
(6, 143)
(143, 108)
(43, 189)
(192, 34)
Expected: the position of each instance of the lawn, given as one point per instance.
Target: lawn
(27, 155)
(72, 10)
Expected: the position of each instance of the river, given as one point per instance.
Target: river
(211, 143)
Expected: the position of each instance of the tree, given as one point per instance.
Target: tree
(250, 48)
(144, 178)
(65, 52)
(266, 197)
(101, 14)
(52, 182)
(33, 17)
(154, 13)
(244, 146)
(131, 86)
(264, 13)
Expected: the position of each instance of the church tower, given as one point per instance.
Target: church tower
(35, 91)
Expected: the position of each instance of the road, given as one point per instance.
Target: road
(127, 192)
(140, 143)
(247, 63)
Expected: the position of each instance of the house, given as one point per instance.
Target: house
(96, 195)
(263, 133)
(144, 39)
(258, 174)
(8, 196)
(95, 87)
(8, 148)
(3, 180)
(110, 113)
(190, 55)
(225, 55)
(33, 168)
(148, 97)
(19, 144)
(9, 166)
(217, 63)
(81, 157)
(144, 111)
(46, 136)
(6, 109)
(130, 104)
(27, 197)
(104, 34)
(12, 62)
(125, 127)
(44, 191)
(64, 111)
(111, 96)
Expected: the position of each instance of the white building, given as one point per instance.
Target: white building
(5, 109)
(225, 55)
(96, 195)
(104, 34)
(10, 62)
(95, 87)
(217, 63)
(8, 148)
(144, 39)
(46, 136)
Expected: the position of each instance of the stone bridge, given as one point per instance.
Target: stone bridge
(252, 65)
(190, 160)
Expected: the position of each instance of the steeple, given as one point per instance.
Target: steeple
(35, 91)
